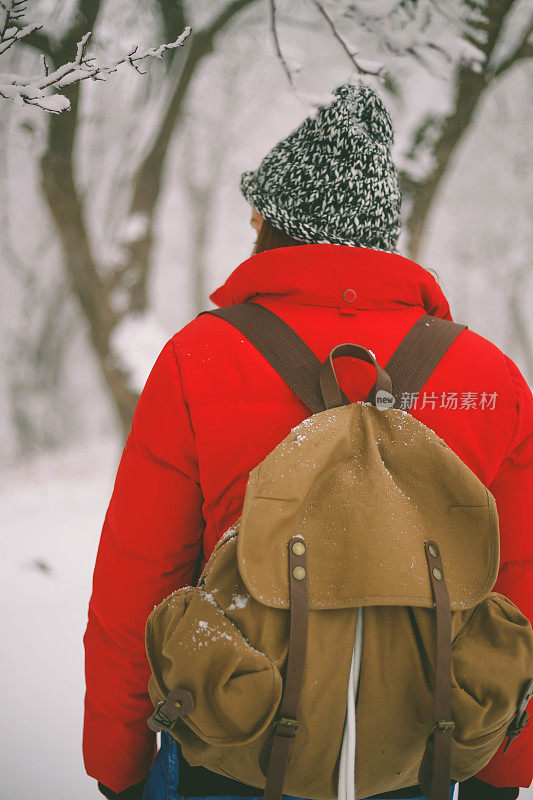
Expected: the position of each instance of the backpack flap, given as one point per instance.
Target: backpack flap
(366, 488)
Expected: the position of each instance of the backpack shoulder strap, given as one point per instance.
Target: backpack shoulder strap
(409, 367)
(286, 352)
(418, 354)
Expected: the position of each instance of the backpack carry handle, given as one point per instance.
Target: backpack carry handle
(329, 385)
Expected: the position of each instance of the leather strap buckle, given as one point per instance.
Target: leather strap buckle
(159, 721)
(178, 703)
(444, 725)
(291, 726)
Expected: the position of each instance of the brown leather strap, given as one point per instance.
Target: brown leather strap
(331, 391)
(287, 724)
(435, 771)
(417, 355)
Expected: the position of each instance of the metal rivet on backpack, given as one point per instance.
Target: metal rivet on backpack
(298, 548)
(437, 574)
(298, 573)
(433, 550)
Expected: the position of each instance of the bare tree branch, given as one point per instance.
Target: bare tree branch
(351, 52)
(13, 29)
(277, 46)
(81, 68)
(14, 35)
(10, 12)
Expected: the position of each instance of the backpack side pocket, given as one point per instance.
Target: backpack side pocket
(193, 645)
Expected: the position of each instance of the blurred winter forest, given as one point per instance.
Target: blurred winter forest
(120, 212)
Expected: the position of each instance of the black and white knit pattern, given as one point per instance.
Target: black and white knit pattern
(333, 179)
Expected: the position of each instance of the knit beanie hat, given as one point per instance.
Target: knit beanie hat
(332, 179)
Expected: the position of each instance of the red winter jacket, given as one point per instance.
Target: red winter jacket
(213, 408)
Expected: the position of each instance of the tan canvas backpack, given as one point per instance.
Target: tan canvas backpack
(362, 516)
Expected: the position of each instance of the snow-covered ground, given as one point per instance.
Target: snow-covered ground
(51, 511)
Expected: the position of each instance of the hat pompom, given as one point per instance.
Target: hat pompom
(366, 107)
(247, 183)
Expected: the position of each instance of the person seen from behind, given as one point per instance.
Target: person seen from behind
(326, 207)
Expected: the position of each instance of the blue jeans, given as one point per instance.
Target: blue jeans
(163, 779)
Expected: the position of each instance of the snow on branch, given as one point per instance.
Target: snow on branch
(36, 90)
(291, 68)
(11, 12)
(12, 29)
(436, 33)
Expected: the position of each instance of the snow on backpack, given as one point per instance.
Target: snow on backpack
(356, 585)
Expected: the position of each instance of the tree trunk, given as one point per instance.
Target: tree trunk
(58, 185)
(147, 181)
(66, 207)
(420, 194)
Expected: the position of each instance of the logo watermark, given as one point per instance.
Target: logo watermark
(384, 399)
(452, 401)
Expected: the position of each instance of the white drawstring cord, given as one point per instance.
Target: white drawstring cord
(346, 786)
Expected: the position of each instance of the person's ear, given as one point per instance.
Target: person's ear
(256, 219)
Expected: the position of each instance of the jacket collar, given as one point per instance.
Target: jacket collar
(321, 274)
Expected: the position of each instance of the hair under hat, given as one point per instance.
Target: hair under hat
(333, 179)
